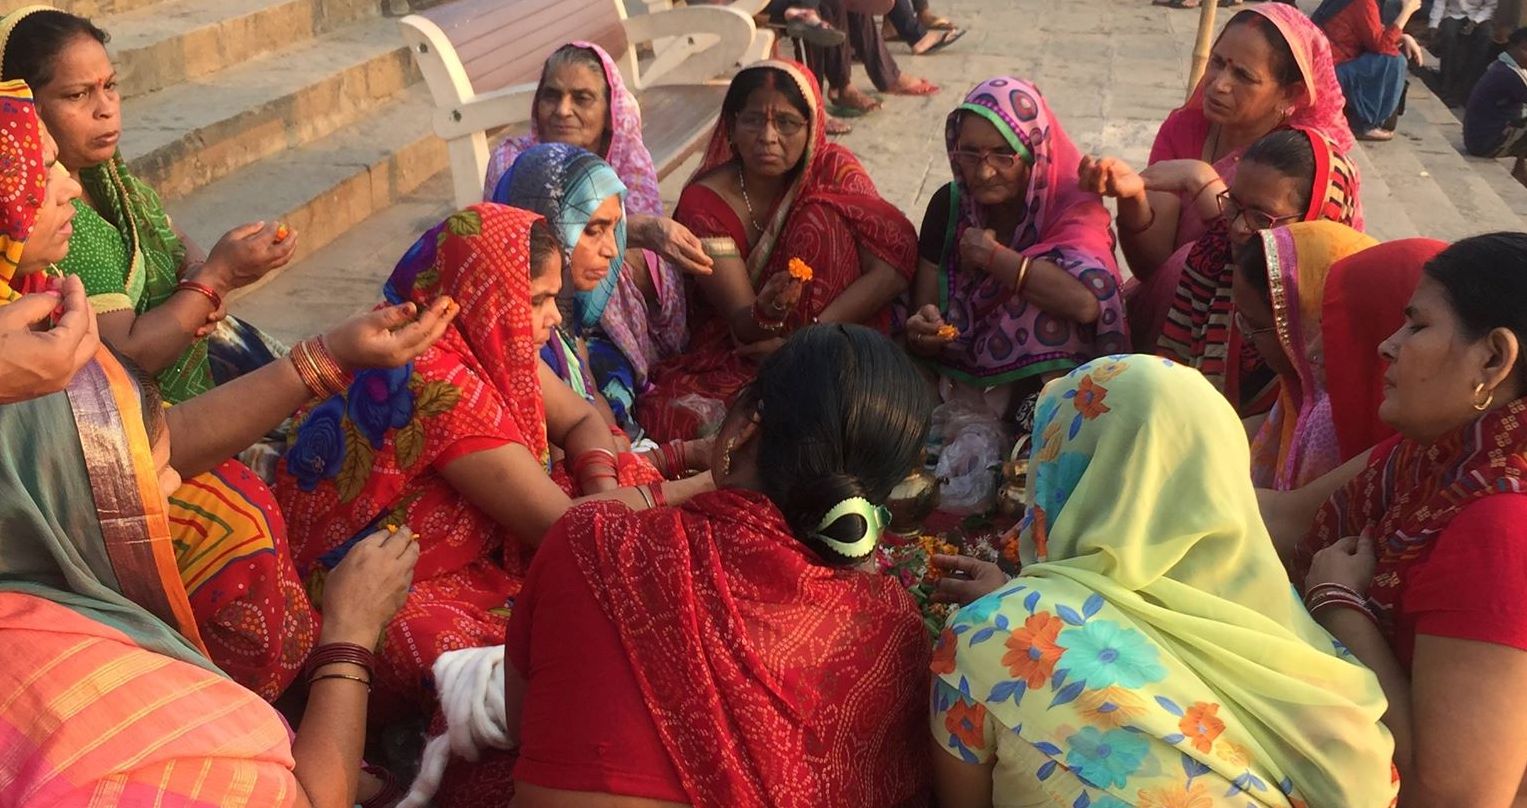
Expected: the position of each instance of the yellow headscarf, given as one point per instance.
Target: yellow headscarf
(1153, 637)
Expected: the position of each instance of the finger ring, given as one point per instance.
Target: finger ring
(777, 306)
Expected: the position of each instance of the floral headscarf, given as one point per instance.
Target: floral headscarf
(567, 185)
(23, 178)
(1152, 637)
(1003, 337)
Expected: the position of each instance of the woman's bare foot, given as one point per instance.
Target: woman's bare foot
(911, 85)
(852, 97)
(1376, 134)
(933, 21)
(838, 126)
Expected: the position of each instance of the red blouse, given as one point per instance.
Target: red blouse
(1357, 29)
(1469, 586)
(566, 648)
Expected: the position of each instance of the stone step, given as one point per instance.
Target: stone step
(321, 189)
(93, 9)
(1385, 217)
(346, 276)
(186, 136)
(170, 42)
(1444, 193)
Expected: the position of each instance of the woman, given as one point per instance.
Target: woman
(582, 199)
(1278, 291)
(1150, 652)
(815, 697)
(1371, 50)
(1289, 176)
(582, 101)
(457, 445)
(1416, 565)
(1315, 300)
(771, 189)
(1015, 254)
(156, 293)
(1269, 68)
(110, 695)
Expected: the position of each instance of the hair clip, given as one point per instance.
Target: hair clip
(876, 517)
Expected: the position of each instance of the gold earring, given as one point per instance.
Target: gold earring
(1489, 397)
(726, 457)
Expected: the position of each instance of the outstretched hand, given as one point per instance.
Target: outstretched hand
(965, 579)
(36, 360)
(391, 336)
(1109, 176)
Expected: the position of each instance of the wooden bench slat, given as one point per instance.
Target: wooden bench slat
(677, 120)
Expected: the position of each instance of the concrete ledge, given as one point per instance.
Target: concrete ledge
(189, 135)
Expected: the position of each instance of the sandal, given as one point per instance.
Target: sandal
(818, 33)
(948, 38)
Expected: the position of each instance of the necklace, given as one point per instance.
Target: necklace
(743, 184)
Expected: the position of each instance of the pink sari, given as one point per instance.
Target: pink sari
(643, 334)
(1185, 133)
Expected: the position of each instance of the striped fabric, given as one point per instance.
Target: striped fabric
(88, 718)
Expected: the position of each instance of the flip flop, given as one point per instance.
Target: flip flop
(817, 33)
(950, 37)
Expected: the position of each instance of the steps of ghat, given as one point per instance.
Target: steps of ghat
(310, 112)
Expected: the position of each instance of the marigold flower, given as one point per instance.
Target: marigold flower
(282, 231)
(799, 270)
(947, 332)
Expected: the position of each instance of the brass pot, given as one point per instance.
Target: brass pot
(1013, 493)
(912, 500)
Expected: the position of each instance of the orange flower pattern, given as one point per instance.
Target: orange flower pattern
(1201, 725)
(943, 652)
(1195, 795)
(1032, 651)
(966, 721)
(1112, 707)
(1089, 398)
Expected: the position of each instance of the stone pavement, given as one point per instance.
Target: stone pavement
(1111, 69)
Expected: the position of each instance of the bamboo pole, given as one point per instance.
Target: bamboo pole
(1205, 43)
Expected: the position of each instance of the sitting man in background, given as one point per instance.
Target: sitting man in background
(1493, 123)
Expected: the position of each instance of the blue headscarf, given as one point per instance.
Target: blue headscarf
(566, 185)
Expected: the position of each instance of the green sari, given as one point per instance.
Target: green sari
(129, 258)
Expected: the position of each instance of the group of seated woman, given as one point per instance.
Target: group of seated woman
(642, 461)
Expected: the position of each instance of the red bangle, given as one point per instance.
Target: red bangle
(201, 289)
(656, 490)
(673, 458)
(594, 457)
(339, 652)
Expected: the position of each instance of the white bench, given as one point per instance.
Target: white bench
(481, 60)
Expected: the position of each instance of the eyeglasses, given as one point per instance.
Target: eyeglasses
(1244, 326)
(1255, 219)
(754, 123)
(1002, 161)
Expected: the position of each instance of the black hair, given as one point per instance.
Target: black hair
(543, 245)
(1517, 37)
(1251, 264)
(758, 78)
(1485, 281)
(1285, 66)
(150, 396)
(1288, 151)
(38, 39)
(842, 413)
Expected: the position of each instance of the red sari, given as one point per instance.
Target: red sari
(770, 679)
(373, 456)
(830, 213)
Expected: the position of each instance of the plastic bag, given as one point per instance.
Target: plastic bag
(971, 458)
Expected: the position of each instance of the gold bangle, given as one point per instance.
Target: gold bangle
(350, 676)
(1023, 275)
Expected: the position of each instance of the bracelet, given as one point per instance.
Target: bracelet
(201, 289)
(603, 458)
(1135, 231)
(318, 369)
(1331, 586)
(339, 652)
(766, 323)
(656, 490)
(1023, 274)
(350, 676)
(1201, 189)
(646, 497)
(673, 458)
